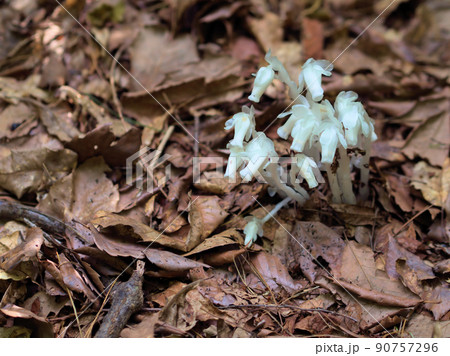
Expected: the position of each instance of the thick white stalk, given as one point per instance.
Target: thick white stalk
(334, 185)
(274, 180)
(344, 179)
(275, 210)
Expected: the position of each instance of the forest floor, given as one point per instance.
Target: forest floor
(91, 91)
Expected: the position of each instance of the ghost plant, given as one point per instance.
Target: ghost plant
(325, 138)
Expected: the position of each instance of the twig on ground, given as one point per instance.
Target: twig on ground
(127, 298)
(279, 306)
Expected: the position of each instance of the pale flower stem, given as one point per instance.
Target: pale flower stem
(275, 210)
(344, 179)
(364, 179)
(274, 180)
(334, 185)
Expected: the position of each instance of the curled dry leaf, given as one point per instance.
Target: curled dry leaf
(28, 170)
(313, 240)
(44, 305)
(370, 314)
(440, 301)
(24, 252)
(205, 215)
(170, 261)
(431, 140)
(442, 267)
(39, 326)
(59, 121)
(273, 273)
(398, 188)
(163, 297)
(131, 228)
(115, 245)
(433, 182)
(225, 238)
(190, 306)
(421, 325)
(101, 141)
(173, 55)
(379, 297)
(215, 183)
(393, 251)
(80, 195)
(358, 273)
(17, 120)
(72, 279)
(144, 329)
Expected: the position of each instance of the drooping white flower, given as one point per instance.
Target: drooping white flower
(253, 229)
(244, 126)
(296, 113)
(330, 133)
(264, 77)
(282, 74)
(304, 129)
(258, 152)
(330, 136)
(309, 170)
(354, 118)
(311, 76)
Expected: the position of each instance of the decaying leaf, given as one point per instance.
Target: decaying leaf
(433, 182)
(430, 140)
(17, 120)
(132, 228)
(26, 170)
(170, 261)
(81, 194)
(422, 325)
(358, 273)
(269, 272)
(205, 215)
(39, 326)
(313, 240)
(73, 280)
(25, 251)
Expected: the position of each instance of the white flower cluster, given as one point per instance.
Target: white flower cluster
(318, 130)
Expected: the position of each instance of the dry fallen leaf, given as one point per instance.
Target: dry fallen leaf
(433, 182)
(170, 261)
(83, 193)
(358, 273)
(422, 326)
(273, 273)
(39, 326)
(431, 140)
(24, 252)
(73, 280)
(313, 240)
(205, 215)
(132, 228)
(26, 170)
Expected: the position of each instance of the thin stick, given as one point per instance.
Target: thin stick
(309, 310)
(412, 219)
